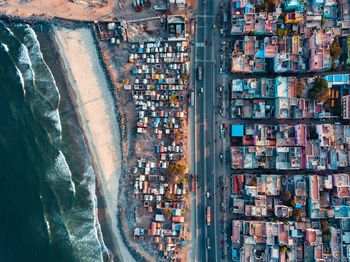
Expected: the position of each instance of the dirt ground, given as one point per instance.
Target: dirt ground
(58, 8)
(120, 9)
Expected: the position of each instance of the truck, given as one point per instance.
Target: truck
(199, 73)
(208, 216)
(192, 98)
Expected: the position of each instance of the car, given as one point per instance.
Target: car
(220, 111)
(223, 42)
(208, 243)
(221, 31)
(201, 90)
(221, 70)
(222, 57)
(208, 194)
(222, 131)
(221, 156)
(223, 209)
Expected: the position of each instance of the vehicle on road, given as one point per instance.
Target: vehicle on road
(221, 31)
(220, 111)
(222, 131)
(221, 156)
(222, 57)
(223, 42)
(208, 243)
(199, 73)
(208, 217)
(208, 194)
(221, 70)
(201, 90)
(223, 209)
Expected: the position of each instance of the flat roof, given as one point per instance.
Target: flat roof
(237, 130)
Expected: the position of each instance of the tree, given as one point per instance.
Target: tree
(325, 226)
(336, 50)
(319, 91)
(284, 249)
(178, 135)
(176, 171)
(297, 213)
(286, 196)
(327, 237)
(167, 212)
(253, 182)
(301, 86)
(313, 133)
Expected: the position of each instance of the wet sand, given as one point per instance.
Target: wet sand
(94, 104)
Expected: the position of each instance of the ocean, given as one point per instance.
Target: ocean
(47, 188)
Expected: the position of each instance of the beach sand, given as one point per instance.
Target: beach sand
(95, 106)
(57, 8)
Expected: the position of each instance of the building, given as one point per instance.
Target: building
(345, 107)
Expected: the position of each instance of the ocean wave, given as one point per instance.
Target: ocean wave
(37, 53)
(21, 79)
(59, 173)
(25, 64)
(5, 47)
(55, 117)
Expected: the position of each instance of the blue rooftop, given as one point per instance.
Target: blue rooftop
(237, 130)
(339, 78)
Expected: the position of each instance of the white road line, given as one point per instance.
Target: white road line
(195, 142)
(205, 16)
(213, 97)
(204, 147)
(206, 61)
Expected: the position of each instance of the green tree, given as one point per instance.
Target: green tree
(253, 182)
(286, 196)
(284, 249)
(325, 226)
(176, 171)
(297, 213)
(327, 237)
(301, 86)
(336, 50)
(319, 91)
(167, 212)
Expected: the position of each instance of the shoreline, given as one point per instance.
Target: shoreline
(68, 105)
(109, 229)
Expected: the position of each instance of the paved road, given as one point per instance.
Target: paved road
(206, 132)
(295, 121)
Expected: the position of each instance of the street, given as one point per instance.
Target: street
(210, 238)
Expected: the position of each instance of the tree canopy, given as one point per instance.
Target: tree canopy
(167, 213)
(319, 91)
(336, 50)
(176, 171)
(286, 195)
(301, 86)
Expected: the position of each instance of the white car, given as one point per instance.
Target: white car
(222, 131)
(208, 194)
(201, 90)
(221, 70)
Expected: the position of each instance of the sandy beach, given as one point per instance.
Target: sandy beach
(57, 8)
(95, 107)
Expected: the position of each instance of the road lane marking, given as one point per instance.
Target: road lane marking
(205, 16)
(206, 61)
